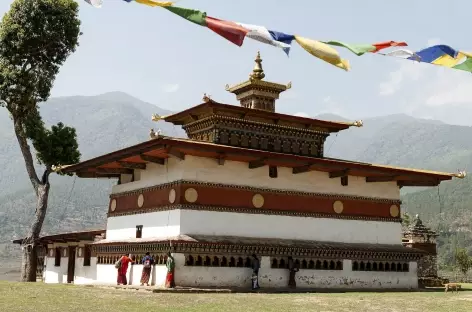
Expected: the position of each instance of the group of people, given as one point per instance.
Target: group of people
(148, 261)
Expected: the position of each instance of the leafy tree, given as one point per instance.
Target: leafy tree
(463, 260)
(406, 220)
(36, 37)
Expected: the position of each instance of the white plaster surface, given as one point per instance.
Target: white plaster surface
(238, 173)
(85, 274)
(155, 224)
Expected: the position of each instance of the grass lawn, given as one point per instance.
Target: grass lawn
(38, 297)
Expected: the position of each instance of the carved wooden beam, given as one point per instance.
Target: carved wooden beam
(132, 165)
(301, 169)
(338, 174)
(175, 153)
(114, 171)
(418, 183)
(257, 163)
(155, 160)
(88, 174)
(380, 179)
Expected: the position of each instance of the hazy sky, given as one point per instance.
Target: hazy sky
(159, 57)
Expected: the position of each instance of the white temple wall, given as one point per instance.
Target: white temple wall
(175, 222)
(158, 275)
(289, 227)
(85, 274)
(191, 276)
(56, 274)
(237, 173)
(155, 224)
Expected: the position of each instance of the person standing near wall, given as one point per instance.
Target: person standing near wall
(170, 264)
(147, 262)
(122, 267)
(293, 268)
(256, 265)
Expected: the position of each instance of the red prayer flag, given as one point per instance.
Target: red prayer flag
(387, 44)
(229, 30)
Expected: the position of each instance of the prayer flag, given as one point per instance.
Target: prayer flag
(193, 16)
(229, 30)
(360, 49)
(155, 3)
(439, 55)
(465, 62)
(95, 3)
(323, 51)
(262, 34)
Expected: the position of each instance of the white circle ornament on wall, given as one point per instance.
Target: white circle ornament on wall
(258, 200)
(191, 195)
(113, 205)
(338, 207)
(394, 211)
(140, 200)
(172, 196)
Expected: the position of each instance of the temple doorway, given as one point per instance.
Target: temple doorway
(71, 265)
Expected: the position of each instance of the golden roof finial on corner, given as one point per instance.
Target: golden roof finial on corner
(461, 174)
(157, 117)
(257, 72)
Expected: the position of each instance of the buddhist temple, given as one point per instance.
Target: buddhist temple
(247, 181)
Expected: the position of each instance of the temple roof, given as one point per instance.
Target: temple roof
(124, 161)
(68, 237)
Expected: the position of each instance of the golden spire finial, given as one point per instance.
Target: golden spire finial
(257, 72)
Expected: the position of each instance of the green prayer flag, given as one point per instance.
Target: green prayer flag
(193, 16)
(357, 49)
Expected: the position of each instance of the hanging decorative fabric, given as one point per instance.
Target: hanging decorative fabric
(323, 51)
(153, 3)
(360, 49)
(95, 3)
(262, 34)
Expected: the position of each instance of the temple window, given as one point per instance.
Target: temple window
(248, 262)
(325, 265)
(332, 265)
(368, 266)
(387, 267)
(381, 267)
(282, 264)
(375, 266)
(57, 257)
(190, 260)
(362, 266)
(311, 264)
(399, 267)
(297, 263)
(339, 265)
(344, 180)
(199, 261)
(87, 255)
(273, 172)
(139, 231)
(216, 262)
(224, 262)
(393, 267)
(406, 267)
(318, 265)
(274, 264)
(355, 266)
(240, 263)
(304, 264)
(232, 262)
(207, 261)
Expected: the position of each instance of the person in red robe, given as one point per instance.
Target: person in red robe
(123, 269)
(170, 264)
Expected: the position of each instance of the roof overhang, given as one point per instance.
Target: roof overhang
(125, 161)
(67, 237)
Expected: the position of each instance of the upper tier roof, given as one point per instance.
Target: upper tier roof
(157, 150)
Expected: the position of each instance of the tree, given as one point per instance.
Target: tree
(463, 260)
(406, 220)
(36, 38)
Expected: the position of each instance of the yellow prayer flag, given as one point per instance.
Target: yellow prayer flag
(323, 51)
(155, 3)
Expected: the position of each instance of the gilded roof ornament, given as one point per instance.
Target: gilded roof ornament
(461, 174)
(157, 117)
(154, 135)
(257, 72)
(358, 123)
(206, 98)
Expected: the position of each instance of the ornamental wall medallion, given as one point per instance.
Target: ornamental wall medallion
(258, 200)
(394, 211)
(172, 196)
(191, 195)
(140, 200)
(113, 205)
(338, 207)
